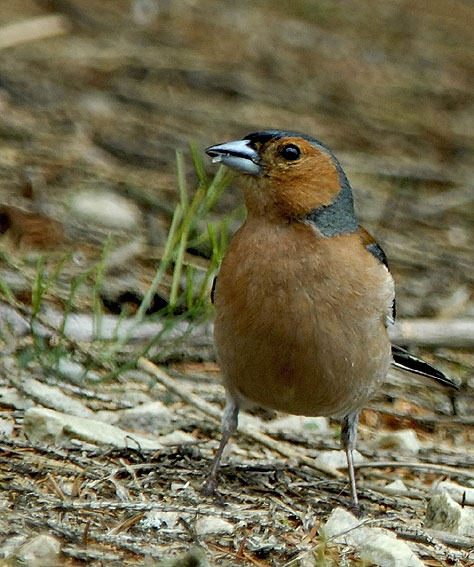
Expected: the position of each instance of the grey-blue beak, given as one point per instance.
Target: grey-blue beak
(237, 155)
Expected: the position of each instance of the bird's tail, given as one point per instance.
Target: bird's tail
(403, 360)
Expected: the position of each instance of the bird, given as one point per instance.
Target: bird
(304, 296)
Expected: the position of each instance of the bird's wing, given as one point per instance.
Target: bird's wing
(213, 288)
(403, 360)
(372, 246)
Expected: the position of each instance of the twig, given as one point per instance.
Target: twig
(429, 536)
(211, 410)
(248, 515)
(80, 327)
(454, 540)
(429, 421)
(33, 29)
(121, 541)
(433, 468)
(434, 333)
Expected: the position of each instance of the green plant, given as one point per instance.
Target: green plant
(189, 290)
(186, 232)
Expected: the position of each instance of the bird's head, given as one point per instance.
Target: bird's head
(291, 177)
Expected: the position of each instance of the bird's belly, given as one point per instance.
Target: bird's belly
(301, 328)
(301, 359)
(280, 381)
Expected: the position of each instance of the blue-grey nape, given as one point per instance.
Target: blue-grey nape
(339, 216)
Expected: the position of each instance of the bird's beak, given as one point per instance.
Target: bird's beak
(237, 155)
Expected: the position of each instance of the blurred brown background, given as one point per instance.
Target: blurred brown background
(101, 103)
(95, 98)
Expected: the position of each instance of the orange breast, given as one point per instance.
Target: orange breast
(300, 320)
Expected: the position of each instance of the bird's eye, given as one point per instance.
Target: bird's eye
(290, 152)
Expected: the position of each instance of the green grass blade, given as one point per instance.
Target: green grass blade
(182, 184)
(38, 287)
(198, 164)
(8, 294)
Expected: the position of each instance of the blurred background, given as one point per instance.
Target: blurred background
(95, 98)
(99, 103)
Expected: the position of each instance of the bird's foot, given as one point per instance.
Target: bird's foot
(355, 508)
(210, 486)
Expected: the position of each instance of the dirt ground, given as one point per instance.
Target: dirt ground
(95, 99)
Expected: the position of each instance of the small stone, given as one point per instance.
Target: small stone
(206, 525)
(42, 549)
(11, 545)
(158, 520)
(75, 371)
(177, 437)
(342, 527)
(396, 487)
(11, 398)
(153, 417)
(297, 424)
(106, 208)
(376, 545)
(97, 104)
(443, 513)
(48, 426)
(52, 397)
(337, 459)
(180, 486)
(15, 324)
(6, 427)
(385, 550)
(461, 494)
(405, 441)
(134, 398)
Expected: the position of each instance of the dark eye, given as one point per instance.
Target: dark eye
(290, 152)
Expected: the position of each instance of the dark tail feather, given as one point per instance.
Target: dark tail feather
(403, 360)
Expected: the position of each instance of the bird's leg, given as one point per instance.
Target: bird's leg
(349, 439)
(230, 421)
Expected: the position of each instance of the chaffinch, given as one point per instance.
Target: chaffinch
(304, 296)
